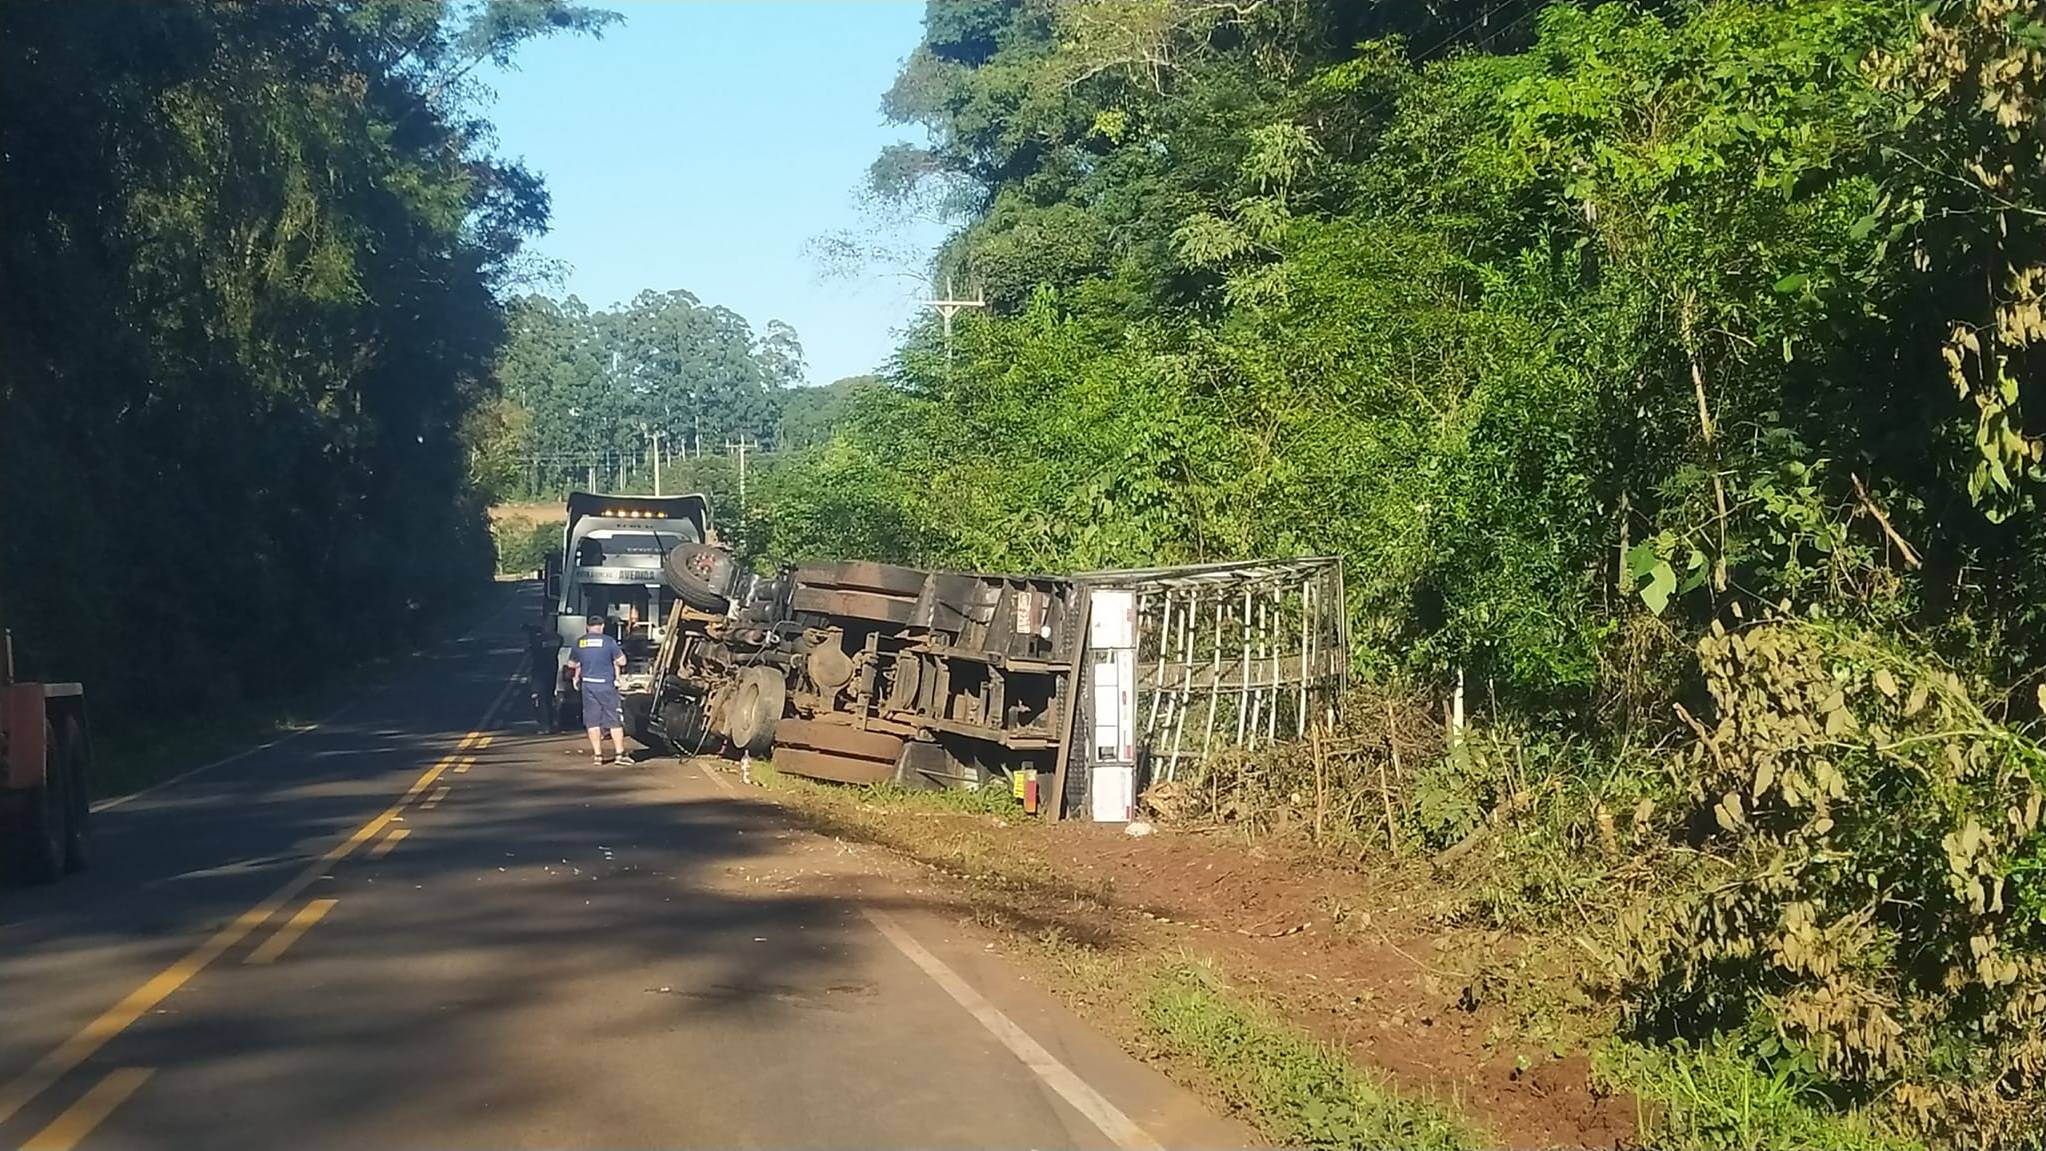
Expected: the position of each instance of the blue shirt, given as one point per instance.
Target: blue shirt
(598, 655)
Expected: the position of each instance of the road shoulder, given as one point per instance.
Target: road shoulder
(1276, 999)
(917, 910)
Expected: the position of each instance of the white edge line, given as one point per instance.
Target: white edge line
(115, 801)
(1105, 1116)
(717, 777)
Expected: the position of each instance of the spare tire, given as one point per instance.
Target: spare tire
(703, 575)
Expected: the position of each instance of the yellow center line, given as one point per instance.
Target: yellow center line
(314, 911)
(78, 1120)
(439, 793)
(484, 742)
(68, 1055)
(463, 764)
(394, 837)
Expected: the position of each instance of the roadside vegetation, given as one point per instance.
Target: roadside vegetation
(252, 262)
(523, 537)
(1308, 1094)
(1667, 374)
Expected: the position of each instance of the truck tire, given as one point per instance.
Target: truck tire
(702, 575)
(38, 838)
(76, 762)
(755, 709)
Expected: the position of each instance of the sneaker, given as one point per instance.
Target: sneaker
(625, 760)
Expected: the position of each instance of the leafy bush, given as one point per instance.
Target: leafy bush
(1868, 882)
(1720, 1097)
(522, 545)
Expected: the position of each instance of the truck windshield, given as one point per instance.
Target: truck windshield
(602, 545)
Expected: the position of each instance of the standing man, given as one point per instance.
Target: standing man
(596, 663)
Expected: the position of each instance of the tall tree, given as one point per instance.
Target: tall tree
(247, 307)
(595, 387)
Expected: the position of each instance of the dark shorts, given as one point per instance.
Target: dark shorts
(600, 708)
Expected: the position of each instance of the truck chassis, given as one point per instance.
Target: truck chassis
(865, 672)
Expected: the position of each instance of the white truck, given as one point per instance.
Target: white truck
(609, 565)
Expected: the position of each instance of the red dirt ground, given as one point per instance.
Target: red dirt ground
(1272, 920)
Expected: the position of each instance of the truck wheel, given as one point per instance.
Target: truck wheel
(638, 717)
(77, 765)
(756, 708)
(38, 855)
(702, 575)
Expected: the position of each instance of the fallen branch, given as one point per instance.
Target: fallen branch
(1392, 838)
(1463, 847)
(1704, 737)
(1911, 559)
(1320, 780)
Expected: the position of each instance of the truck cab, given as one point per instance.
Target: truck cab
(611, 553)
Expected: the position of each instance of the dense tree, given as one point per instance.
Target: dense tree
(810, 416)
(247, 314)
(1709, 216)
(589, 389)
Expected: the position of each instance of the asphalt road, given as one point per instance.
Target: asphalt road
(423, 924)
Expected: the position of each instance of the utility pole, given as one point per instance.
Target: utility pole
(656, 437)
(741, 444)
(949, 307)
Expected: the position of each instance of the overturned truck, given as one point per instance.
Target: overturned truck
(864, 672)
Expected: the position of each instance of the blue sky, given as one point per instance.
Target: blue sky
(701, 145)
